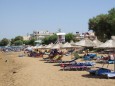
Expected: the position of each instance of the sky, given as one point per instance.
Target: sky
(19, 17)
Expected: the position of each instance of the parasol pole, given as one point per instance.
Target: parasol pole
(114, 62)
(114, 58)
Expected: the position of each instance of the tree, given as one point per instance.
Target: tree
(53, 38)
(112, 20)
(4, 42)
(103, 25)
(32, 42)
(69, 37)
(26, 42)
(18, 38)
(50, 39)
(12, 41)
(18, 42)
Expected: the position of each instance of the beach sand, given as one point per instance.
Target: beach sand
(27, 71)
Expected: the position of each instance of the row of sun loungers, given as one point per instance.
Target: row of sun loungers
(73, 65)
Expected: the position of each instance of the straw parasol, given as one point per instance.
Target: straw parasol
(97, 42)
(49, 46)
(57, 46)
(67, 45)
(108, 44)
(85, 43)
(72, 43)
(41, 47)
(30, 48)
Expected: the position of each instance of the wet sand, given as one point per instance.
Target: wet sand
(27, 71)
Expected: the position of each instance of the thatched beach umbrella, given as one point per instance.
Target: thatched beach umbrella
(30, 48)
(49, 46)
(40, 47)
(108, 44)
(67, 45)
(57, 46)
(85, 43)
(72, 43)
(97, 42)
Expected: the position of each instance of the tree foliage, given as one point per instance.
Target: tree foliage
(12, 41)
(31, 42)
(18, 42)
(4, 42)
(26, 42)
(103, 25)
(69, 37)
(50, 39)
(18, 38)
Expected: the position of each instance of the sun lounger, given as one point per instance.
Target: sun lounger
(81, 66)
(75, 67)
(110, 61)
(89, 56)
(69, 61)
(109, 75)
(55, 59)
(74, 63)
(99, 71)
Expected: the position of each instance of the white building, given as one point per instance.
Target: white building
(26, 37)
(39, 35)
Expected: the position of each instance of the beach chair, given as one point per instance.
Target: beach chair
(89, 57)
(74, 63)
(62, 62)
(77, 66)
(110, 61)
(99, 71)
(57, 59)
(51, 56)
(109, 75)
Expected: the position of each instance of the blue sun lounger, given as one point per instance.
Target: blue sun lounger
(99, 71)
(109, 75)
(110, 61)
(81, 66)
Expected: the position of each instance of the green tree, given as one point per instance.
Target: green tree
(18, 42)
(50, 39)
(69, 37)
(103, 25)
(53, 38)
(26, 42)
(112, 20)
(32, 42)
(12, 41)
(18, 38)
(4, 42)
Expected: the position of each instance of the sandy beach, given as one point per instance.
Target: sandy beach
(27, 71)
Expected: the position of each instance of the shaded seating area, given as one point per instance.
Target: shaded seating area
(56, 53)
